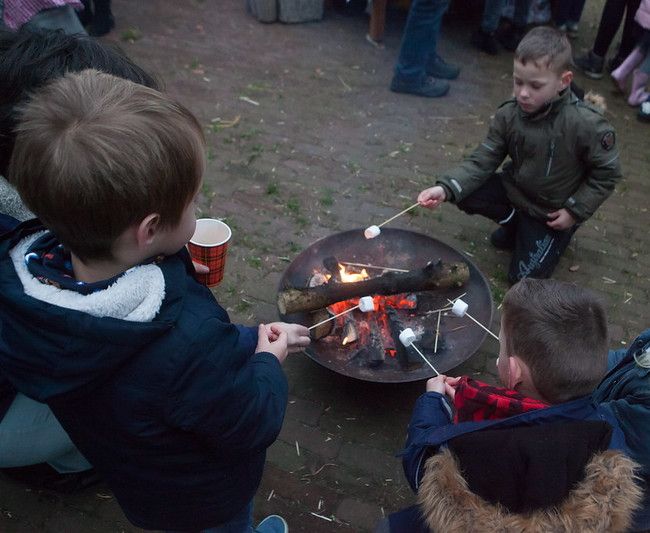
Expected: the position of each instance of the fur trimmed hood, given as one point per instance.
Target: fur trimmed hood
(604, 500)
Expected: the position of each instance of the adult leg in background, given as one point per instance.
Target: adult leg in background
(418, 46)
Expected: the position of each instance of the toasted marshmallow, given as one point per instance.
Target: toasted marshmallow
(407, 337)
(459, 308)
(371, 232)
(366, 304)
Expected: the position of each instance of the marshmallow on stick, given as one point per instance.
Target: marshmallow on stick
(407, 338)
(366, 305)
(459, 309)
(373, 231)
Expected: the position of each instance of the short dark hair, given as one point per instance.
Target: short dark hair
(548, 44)
(96, 154)
(30, 58)
(560, 331)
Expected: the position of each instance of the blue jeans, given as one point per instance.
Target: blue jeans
(492, 14)
(420, 39)
(31, 434)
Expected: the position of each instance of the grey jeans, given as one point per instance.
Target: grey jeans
(31, 434)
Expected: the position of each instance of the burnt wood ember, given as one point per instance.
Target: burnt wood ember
(377, 353)
(404, 355)
(324, 329)
(437, 275)
(332, 266)
(371, 353)
(350, 334)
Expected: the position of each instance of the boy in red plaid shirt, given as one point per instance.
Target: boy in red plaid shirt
(539, 454)
(539, 326)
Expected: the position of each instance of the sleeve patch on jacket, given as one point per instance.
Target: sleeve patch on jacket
(608, 140)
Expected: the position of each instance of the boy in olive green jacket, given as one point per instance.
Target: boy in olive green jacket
(564, 161)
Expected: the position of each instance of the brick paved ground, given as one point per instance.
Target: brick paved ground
(329, 148)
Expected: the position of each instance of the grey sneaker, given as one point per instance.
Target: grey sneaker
(439, 68)
(591, 64)
(272, 524)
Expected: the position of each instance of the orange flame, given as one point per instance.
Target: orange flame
(349, 277)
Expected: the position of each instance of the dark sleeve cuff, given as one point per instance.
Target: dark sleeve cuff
(448, 191)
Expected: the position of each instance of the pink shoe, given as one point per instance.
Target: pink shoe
(623, 71)
(638, 94)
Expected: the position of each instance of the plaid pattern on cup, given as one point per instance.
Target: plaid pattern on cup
(209, 246)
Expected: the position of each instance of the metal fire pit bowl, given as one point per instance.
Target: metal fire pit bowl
(459, 338)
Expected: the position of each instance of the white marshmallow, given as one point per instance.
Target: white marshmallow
(407, 337)
(459, 308)
(371, 232)
(366, 304)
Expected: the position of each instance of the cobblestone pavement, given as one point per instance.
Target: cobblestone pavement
(306, 140)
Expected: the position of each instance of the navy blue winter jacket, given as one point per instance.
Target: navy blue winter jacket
(175, 413)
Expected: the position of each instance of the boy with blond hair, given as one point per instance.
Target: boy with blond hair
(563, 161)
(103, 320)
(563, 458)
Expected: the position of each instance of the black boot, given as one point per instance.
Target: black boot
(504, 238)
(510, 38)
(103, 21)
(86, 16)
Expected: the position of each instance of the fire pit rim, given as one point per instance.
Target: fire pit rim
(477, 279)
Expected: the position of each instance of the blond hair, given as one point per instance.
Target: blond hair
(96, 154)
(548, 45)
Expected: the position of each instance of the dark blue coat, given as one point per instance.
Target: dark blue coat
(622, 400)
(175, 413)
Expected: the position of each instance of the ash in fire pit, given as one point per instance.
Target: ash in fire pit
(366, 345)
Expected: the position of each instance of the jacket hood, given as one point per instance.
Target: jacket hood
(604, 500)
(56, 342)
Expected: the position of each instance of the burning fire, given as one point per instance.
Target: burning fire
(397, 301)
(350, 277)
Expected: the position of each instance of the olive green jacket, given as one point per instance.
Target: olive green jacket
(564, 156)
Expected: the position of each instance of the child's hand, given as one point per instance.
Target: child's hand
(277, 347)
(443, 385)
(432, 197)
(297, 335)
(560, 220)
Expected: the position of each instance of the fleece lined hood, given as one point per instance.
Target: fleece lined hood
(55, 342)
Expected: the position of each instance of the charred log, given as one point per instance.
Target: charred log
(324, 329)
(433, 276)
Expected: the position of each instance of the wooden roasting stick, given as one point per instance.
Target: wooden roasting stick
(465, 313)
(378, 267)
(433, 276)
(398, 215)
(366, 304)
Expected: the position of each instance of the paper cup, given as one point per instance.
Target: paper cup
(208, 246)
